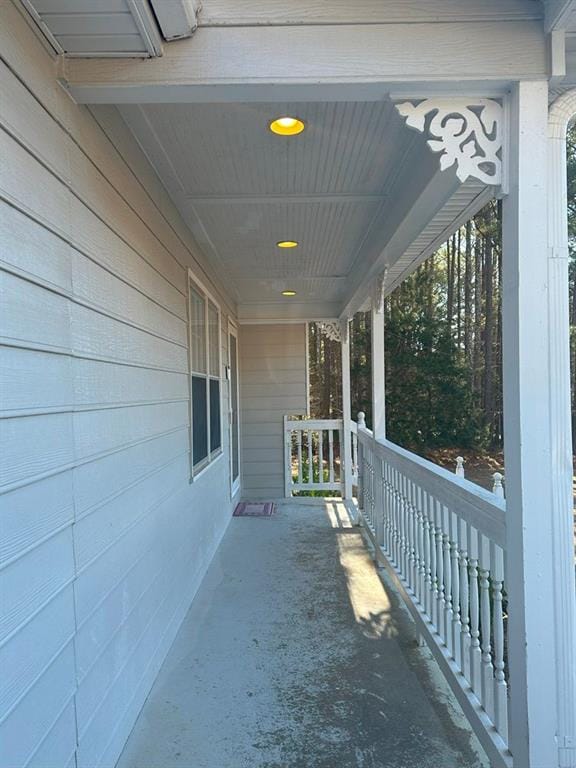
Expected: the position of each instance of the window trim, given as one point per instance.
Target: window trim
(198, 286)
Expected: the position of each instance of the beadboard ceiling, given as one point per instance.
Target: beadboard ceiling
(241, 188)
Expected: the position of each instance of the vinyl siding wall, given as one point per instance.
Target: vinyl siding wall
(272, 385)
(103, 540)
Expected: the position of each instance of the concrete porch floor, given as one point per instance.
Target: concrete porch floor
(294, 654)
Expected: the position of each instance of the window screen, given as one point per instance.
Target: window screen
(214, 415)
(199, 420)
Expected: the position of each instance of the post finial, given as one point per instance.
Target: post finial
(361, 419)
(459, 466)
(498, 488)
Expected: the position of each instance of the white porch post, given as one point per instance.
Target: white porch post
(346, 448)
(378, 370)
(530, 567)
(561, 511)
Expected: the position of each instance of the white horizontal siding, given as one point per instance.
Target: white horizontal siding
(103, 541)
(272, 385)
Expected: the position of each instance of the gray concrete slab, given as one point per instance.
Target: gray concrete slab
(294, 654)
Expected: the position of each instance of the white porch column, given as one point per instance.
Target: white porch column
(530, 567)
(378, 369)
(346, 458)
(561, 511)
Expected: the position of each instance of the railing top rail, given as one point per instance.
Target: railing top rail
(314, 424)
(479, 507)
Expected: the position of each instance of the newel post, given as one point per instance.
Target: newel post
(346, 448)
(378, 370)
(529, 546)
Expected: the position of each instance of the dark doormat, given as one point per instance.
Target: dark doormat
(254, 509)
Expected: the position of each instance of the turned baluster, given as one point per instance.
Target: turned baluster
(465, 637)
(454, 557)
(441, 600)
(448, 613)
(500, 685)
(475, 653)
(486, 629)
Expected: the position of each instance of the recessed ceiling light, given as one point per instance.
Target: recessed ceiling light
(287, 243)
(287, 126)
(288, 293)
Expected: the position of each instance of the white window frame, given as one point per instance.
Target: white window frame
(212, 456)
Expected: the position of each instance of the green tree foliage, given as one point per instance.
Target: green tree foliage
(429, 401)
(443, 342)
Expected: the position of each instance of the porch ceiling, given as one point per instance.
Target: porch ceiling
(242, 189)
(333, 188)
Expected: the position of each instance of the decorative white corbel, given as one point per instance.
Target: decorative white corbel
(331, 329)
(380, 291)
(467, 132)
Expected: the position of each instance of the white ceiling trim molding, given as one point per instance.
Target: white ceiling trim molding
(320, 55)
(467, 133)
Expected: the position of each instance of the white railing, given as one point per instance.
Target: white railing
(312, 455)
(443, 541)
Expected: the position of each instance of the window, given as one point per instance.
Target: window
(205, 431)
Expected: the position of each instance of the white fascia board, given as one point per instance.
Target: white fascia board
(176, 18)
(320, 56)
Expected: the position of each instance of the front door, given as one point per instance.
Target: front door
(233, 400)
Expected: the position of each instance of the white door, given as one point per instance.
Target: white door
(233, 412)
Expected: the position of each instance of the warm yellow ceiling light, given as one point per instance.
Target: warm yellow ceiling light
(288, 293)
(287, 126)
(287, 243)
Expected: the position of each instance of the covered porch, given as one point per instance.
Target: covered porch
(295, 653)
(164, 249)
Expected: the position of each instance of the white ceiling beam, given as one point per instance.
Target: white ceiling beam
(270, 12)
(177, 18)
(557, 13)
(384, 54)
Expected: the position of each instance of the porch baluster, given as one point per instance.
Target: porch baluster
(448, 614)
(454, 557)
(412, 557)
(320, 455)
(500, 685)
(395, 481)
(427, 557)
(485, 628)
(465, 637)
(422, 561)
(331, 454)
(475, 655)
(434, 596)
(310, 458)
(299, 449)
(441, 603)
